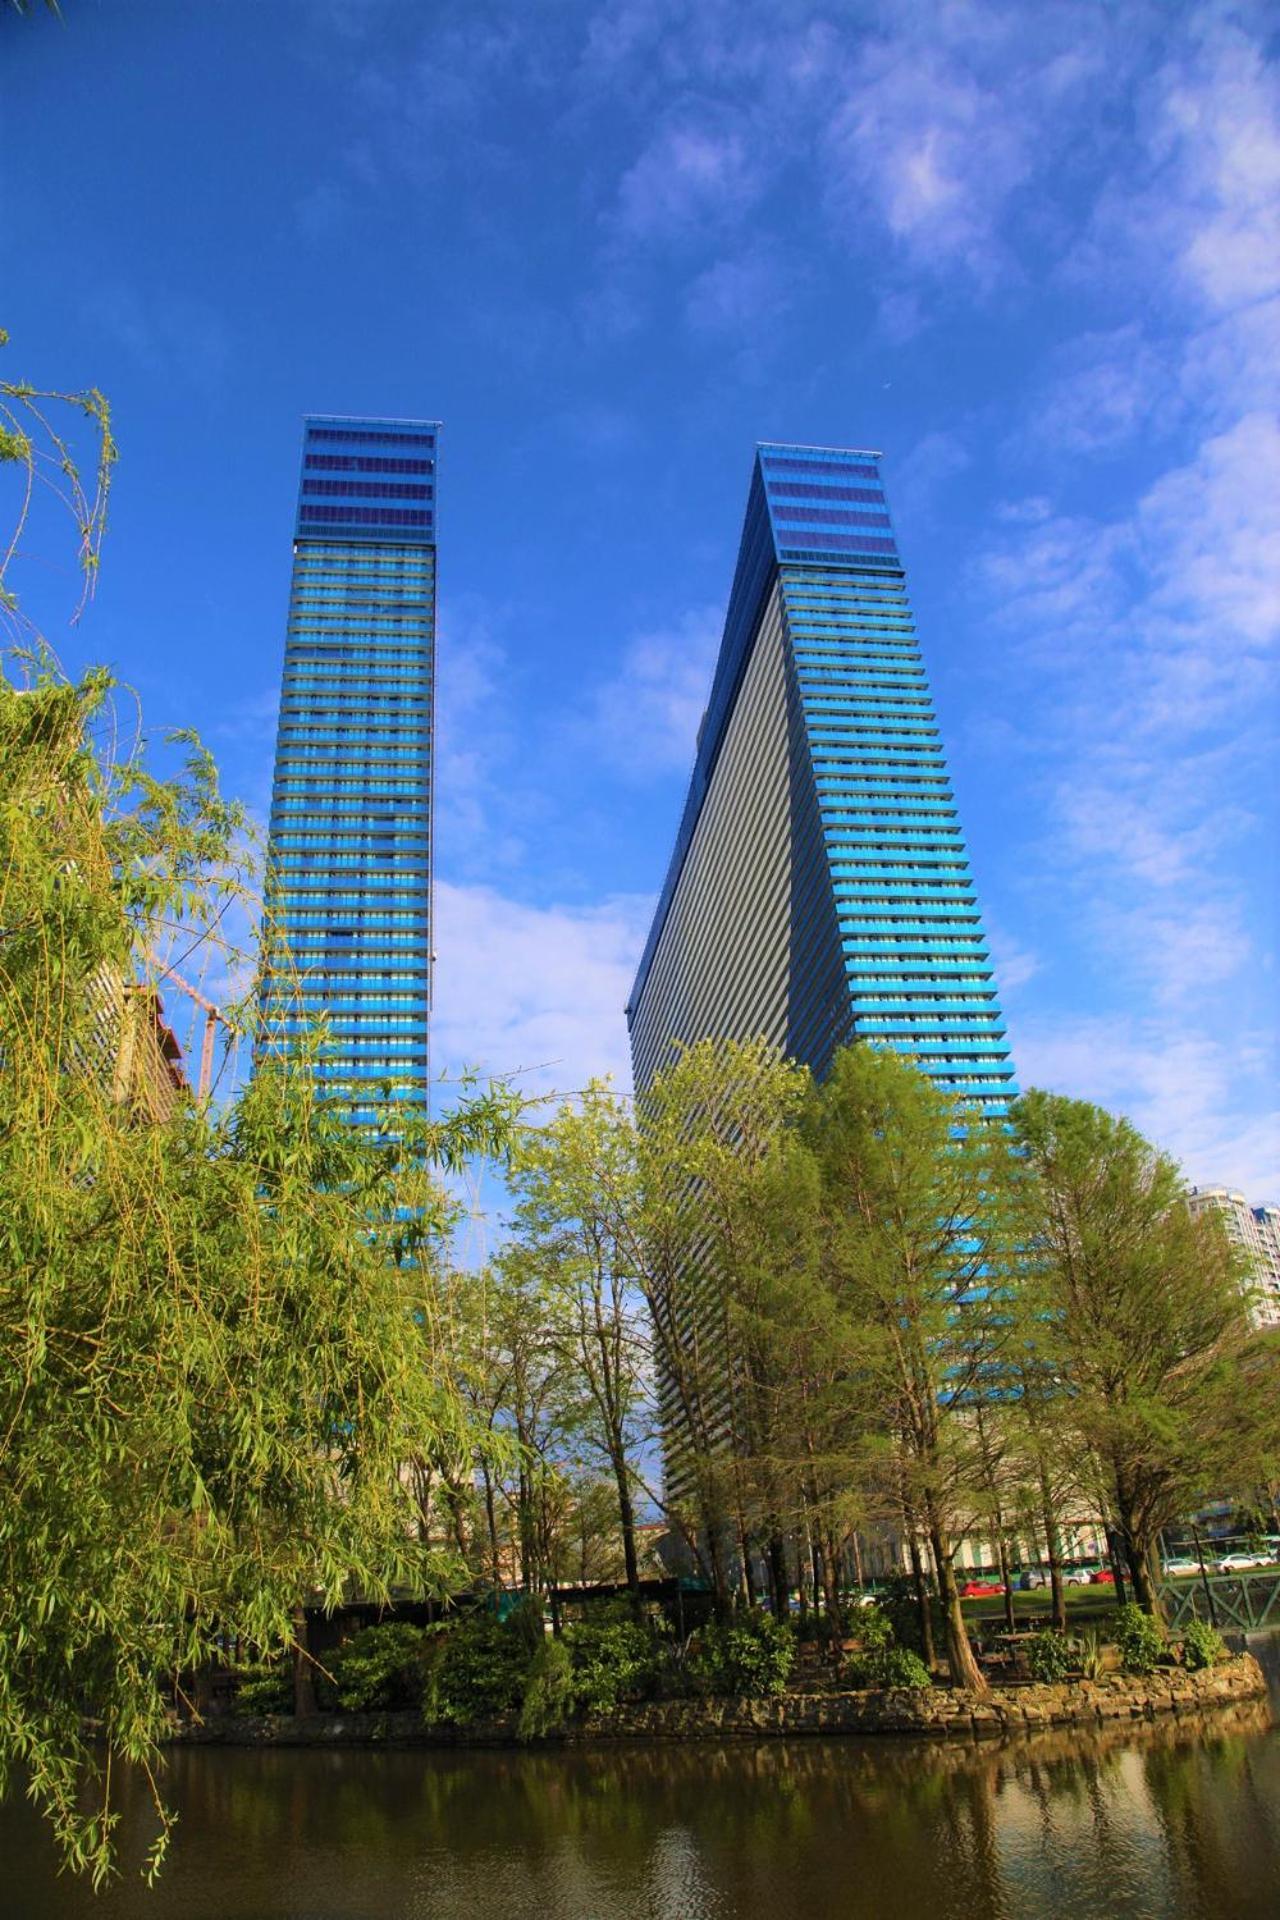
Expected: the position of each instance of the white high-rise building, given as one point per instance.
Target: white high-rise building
(1256, 1231)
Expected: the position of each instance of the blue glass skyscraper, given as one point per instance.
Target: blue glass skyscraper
(349, 857)
(819, 892)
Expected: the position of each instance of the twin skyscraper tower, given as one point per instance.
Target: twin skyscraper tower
(819, 889)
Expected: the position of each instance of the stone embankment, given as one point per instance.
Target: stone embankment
(932, 1714)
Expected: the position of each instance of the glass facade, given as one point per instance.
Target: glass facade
(349, 860)
(819, 891)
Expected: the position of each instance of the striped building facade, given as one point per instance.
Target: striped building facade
(349, 861)
(819, 891)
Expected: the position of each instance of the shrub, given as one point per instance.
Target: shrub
(874, 1629)
(1139, 1638)
(379, 1667)
(549, 1691)
(1092, 1659)
(480, 1670)
(612, 1655)
(265, 1690)
(900, 1605)
(1049, 1656)
(1202, 1646)
(751, 1655)
(887, 1666)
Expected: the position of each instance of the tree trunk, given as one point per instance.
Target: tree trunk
(965, 1671)
(1053, 1548)
(748, 1571)
(304, 1691)
(1134, 1548)
(779, 1583)
(1116, 1558)
(924, 1605)
(627, 1521)
(491, 1522)
(1002, 1556)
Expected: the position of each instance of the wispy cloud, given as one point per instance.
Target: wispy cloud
(535, 991)
(1102, 390)
(692, 177)
(644, 719)
(477, 819)
(1209, 1102)
(743, 296)
(921, 476)
(942, 124)
(170, 334)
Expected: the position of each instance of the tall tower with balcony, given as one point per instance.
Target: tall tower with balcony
(349, 857)
(819, 891)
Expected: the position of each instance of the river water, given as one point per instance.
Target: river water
(1170, 1820)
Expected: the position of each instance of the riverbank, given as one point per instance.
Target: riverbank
(936, 1713)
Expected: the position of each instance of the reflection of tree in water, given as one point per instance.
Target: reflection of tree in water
(1212, 1811)
(1056, 1824)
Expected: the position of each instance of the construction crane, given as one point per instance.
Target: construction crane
(212, 1015)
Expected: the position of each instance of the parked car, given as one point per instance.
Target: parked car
(1102, 1577)
(864, 1599)
(1241, 1562)
(980, 1589)
(1180, 1569)
(1032, 1577)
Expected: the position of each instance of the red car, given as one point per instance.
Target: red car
(980, 1589)
(1102, 1577)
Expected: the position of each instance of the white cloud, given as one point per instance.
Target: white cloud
(689, 178)
(1186, 1090)
(644, 720)
(1106, 388)
(931, 463)
(941, 125)
(743, 296)
(1221, 130)
(535, 991)
(473, 739)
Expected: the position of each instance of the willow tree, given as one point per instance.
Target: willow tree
(219, 1335)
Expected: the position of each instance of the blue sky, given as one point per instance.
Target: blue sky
(1030, 251)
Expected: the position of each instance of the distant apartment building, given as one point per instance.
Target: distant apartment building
(819, 890)
(349, 859)
(1256, 1232)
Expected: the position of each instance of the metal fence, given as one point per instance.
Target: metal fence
(1248, 1601)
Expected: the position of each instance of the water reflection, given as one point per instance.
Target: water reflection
(1171, 1820)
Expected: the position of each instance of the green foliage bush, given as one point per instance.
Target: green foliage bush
(751, 1655)
(481, 1669)
(1049, 1656)
(1202, 1646)
(880, 1661)
(382, 1666)
(898, 1602)
(874, 1628)
(1140, 1639)
(886, 1666)
(613, 1656)
(549, 1691)
(265, 1690)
